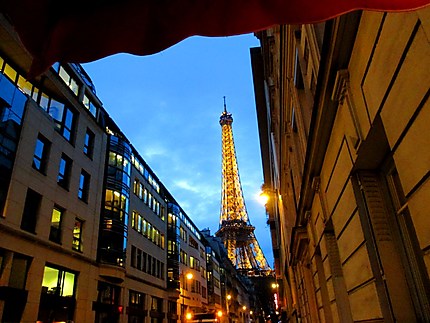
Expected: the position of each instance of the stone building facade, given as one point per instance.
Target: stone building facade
(343, 108)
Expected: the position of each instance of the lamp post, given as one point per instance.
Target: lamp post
(275, 287)
(227, 306)
(244, 313)
(187, 277)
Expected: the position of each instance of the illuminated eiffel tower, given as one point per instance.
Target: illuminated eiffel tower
(235, 230)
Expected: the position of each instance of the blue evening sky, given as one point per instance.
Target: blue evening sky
(168, 105)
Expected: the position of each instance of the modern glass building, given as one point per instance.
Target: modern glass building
(88, 233)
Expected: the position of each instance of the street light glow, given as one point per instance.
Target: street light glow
(263, 198)
(189, 276)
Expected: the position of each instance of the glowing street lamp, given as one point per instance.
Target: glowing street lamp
(275, 286)
(227, 307)
(263, 198)
(188, 276)
(267, 194)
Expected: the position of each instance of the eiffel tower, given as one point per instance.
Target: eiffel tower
(235, 230)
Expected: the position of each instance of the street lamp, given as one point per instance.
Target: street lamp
(188, 276)
(244, 313)
(275, 287)
(267, 194)
(227, 306)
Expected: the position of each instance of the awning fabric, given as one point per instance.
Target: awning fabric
(86, 30)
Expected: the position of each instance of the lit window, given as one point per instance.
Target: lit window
(89, 105)
(136, 186)
(77, 235)
(145, 195)
(58, 282)
(70, 82)
(136, 300)
(55, 232)
(139, 223)
(10, 72)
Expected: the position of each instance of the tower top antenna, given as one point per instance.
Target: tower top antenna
(226, 117)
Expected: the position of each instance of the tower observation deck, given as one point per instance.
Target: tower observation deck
(235, 229)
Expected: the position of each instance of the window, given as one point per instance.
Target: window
(18, 273)
(58, 287)
(77, 235)
(183, 233)
(89, 143)
(144, 261)
(84, 186)
(64, 171)
(69, 80)
(193, 263)
(157, 304)
(183, 257)
(108, 294)
(89, 105)
(68, 124)
(136, 300)
(31, 210)
(134, 218)
(58, 282)
(172, 307)
(193, 243)
(148, 264)
(55, 233)
(133, 256)
(161, 270)
(41, 152)
(139, 259)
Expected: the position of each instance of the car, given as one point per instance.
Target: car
(205, 317)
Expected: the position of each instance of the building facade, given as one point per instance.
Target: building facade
(88, 233)
(342, 110)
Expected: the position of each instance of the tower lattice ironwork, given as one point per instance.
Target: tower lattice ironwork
(235, 229)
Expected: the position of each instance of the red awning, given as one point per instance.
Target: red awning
(86, 30)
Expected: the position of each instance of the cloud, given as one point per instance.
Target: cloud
(184, 184)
